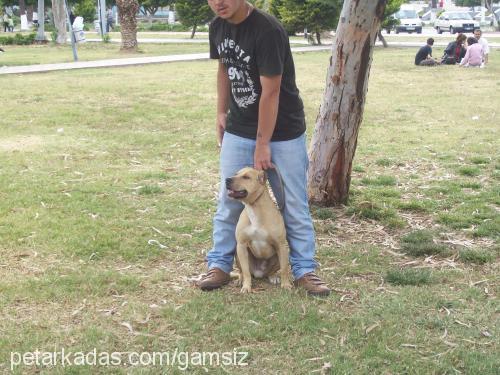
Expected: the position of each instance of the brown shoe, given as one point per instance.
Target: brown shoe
(313, 285)
(214, 279)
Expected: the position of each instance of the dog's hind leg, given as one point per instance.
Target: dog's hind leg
(245, 277)
(282, 252)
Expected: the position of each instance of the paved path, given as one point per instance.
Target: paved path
(171, 58)
(123, 62)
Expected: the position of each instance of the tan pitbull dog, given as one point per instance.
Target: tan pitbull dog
(261, 248)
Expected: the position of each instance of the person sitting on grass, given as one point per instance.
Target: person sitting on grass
(474, 55)
(455, 51)
(478, 34)
(424, 55)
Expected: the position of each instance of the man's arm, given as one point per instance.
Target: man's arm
(486, 51)
(222, 102)
(268, 113)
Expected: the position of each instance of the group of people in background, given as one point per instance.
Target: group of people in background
(466, 51)
(8, 23)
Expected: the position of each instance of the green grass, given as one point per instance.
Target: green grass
(476, 256)
(102, 223)
(323, 213)
(421, 243)
(50, 54)
(409, 276)
(380, 181)
(469, 171)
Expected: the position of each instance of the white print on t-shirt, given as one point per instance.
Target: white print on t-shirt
(238, 69)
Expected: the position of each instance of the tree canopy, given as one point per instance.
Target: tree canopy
(150, 7)
(314, 15)
(391, 8)
(193, 13)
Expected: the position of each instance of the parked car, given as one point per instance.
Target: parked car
(408, 21)
(455, 22)
(488, 19)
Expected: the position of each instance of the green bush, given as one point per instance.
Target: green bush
(18, 39)
(160, 26)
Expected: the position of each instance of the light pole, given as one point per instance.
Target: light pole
(40, 34)
(73, 41)
(101, 4)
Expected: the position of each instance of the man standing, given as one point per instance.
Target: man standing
(424, 55)
(260, 122)
(109, 20)
(5, 21)
(478, 34)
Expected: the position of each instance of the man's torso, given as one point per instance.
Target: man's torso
(255, 47)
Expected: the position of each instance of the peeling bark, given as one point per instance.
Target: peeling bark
(335, 136)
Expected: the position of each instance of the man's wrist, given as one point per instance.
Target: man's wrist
(261, 140)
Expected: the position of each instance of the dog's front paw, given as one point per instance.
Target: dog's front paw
(286, 285)
(246, 289)
(274, 279)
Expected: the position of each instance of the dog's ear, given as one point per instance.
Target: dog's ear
(262, 177)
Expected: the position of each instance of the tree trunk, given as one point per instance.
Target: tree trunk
(194, 31)
(29, 13)
(318, 37)
(127, 10)
(335, 136)
(496, 20)
(382, 39)
(59, 16)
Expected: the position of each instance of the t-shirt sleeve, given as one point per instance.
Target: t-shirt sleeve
(214, 53)
(429, 51)
(270, 53)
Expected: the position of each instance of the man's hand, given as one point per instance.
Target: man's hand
(262, 156)
(220, 127)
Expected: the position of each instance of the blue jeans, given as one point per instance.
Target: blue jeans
(291, 159)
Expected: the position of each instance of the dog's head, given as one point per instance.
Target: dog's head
(247, 184)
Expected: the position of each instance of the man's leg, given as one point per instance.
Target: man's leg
(236, 153)
(291, 159)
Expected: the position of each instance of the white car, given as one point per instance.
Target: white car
(454, 22)
(408, 21)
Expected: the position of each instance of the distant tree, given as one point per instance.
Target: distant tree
(150, 7)
(388, 22)
(84, 8)
(193, 13)
(59, 17)
(314, 15)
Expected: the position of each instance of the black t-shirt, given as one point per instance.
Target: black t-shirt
(422, 54)
(256, 47)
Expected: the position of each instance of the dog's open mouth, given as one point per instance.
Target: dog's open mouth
(237, 194)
